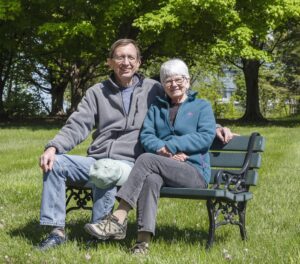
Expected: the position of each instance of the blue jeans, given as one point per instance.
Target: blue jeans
(71, 169)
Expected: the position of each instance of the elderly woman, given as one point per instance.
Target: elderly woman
(177, 133)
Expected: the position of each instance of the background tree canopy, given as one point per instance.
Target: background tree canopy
(60, 47)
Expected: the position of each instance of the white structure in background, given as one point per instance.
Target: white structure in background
(229, 86)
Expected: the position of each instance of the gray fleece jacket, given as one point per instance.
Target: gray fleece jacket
(117, 134)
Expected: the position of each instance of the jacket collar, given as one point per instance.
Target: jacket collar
(166, 100)
(137, 81)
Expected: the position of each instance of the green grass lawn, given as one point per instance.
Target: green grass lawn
(272, 219)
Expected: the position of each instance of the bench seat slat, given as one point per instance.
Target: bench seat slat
(244, 196)
(195, 193)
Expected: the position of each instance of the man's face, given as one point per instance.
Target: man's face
(124, 63)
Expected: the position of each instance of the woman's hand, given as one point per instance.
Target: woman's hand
(180, 156)
(164, 152)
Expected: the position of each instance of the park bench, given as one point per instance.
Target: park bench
(234, 171)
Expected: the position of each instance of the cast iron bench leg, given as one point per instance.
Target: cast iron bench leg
(212, 223)
(242, 218)
(81, 196)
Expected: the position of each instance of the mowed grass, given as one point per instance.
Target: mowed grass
(272, 218)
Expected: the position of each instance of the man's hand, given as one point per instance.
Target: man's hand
(47, 159)
(224, 134)
(180, 156)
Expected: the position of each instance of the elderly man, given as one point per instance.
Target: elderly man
(117, 108)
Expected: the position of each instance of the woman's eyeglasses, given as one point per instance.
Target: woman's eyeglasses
(178, 81)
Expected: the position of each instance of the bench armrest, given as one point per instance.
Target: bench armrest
(231, 181)
(235, 181)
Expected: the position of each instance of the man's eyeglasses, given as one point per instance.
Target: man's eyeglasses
(120, 59)
(178, 81)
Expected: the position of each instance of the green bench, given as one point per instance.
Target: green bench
(234, 171)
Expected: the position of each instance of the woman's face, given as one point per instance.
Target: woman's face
(175, 87)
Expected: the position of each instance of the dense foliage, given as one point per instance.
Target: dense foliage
(60, 47)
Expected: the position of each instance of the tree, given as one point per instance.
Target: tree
(244, 33)
(13, 32)
(65, 51)
(66, 42)
(289, 55)
(19, 20)
(72, 44)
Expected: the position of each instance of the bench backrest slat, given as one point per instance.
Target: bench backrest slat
(233, 160)
(231, 156)
(251, 177)
(239, 143)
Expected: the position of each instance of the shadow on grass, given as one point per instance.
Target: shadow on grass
(292, 121)
(34, 124)
(58, 122)
(34, 233)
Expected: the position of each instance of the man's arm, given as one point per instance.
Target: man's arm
(76, 129)
(78, 126)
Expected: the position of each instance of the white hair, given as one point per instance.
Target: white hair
(173, 67)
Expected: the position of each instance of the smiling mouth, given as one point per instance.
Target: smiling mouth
(126, 70)
(175, 90)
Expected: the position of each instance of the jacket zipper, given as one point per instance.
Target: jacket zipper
(124, 130)
(124, 112)
(135, 111)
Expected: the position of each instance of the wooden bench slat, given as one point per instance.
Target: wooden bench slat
(241, 197)
(203, 194)
(251, 177)
(239, 143)
(233, 160)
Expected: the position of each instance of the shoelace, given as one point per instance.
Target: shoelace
(107, 223)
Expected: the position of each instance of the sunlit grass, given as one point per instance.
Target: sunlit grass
(272, 217)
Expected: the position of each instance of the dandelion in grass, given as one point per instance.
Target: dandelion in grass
(226, 254)
(88, 256)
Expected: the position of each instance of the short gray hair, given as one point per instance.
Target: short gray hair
(173, 67)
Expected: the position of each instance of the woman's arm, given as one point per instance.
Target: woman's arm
(148, 137)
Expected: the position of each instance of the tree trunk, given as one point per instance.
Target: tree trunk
(5, 71)
(57, 93)
(3, 114)
(76, 96)
(252, 113)
(76, 87)
(59, 81)
(80, 76)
